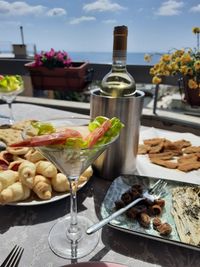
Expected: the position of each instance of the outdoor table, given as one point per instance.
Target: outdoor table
(29, 226)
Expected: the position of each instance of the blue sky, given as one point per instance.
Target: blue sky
(87, 25)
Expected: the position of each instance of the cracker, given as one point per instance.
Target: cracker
(164, 163)
(154, 141)
(21, 125)
(183, 143)
(10, 136)
(192, 149)
(188, 158)
(189, 166)
(164, 155)
(143, 149)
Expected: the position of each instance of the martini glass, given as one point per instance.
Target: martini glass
(9, 96)
(68, 238)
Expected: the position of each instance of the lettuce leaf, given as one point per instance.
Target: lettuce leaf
(43, 128)
(11, 83)
(115, 129)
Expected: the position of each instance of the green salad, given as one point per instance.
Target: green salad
(102, 131)
(10, 83)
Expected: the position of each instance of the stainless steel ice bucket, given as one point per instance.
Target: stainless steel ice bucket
(120, 157)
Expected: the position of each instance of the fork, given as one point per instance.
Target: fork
(13, 258)
(152, 194)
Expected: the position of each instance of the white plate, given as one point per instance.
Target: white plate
(96, 264)
(35, 202)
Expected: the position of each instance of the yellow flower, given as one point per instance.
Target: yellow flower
(183, 69)
(177, 60)
(190, 71)
(196, 30)
(152, 71)
(156, 80)
(178, 53)
(166, 57)
(197, 65)
(184, 63)
(147, 58)
(185, 58)
(174, 66)
(192, 84)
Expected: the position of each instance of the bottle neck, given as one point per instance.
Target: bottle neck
(120, 46)
(119, 58)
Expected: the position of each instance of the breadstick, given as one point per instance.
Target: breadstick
(46, 168)
(14, 192)
(60, 183)
(7, 178)
(42, 187)
(27, 172)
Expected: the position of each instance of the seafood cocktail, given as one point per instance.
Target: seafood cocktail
(72, 145)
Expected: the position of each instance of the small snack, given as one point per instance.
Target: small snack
(160, 202)
(8, 136)
(86, 175)
(34, 156)
(156, 210)
(157, 148)
(46, 168)
(156, 222)
(14, 192)
(188, 158)
(163, 155)
(132, 212)
(164, 163)
(42, 187)
(154, 141)
(14, 165)
(164, 229)
(7, 178)
(189, 166)
(60, 183)
(192, 149)
(27, 171)
(144, 219)
(21, 125)
(143, 149)
(182, 143)
(5, 155)
(19, 151)
(3, 164)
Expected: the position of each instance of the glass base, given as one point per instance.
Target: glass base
(68, 249)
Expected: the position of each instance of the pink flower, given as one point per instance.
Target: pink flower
(52, 59)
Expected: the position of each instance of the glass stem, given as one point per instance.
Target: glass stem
(11, 117)
(73, 232)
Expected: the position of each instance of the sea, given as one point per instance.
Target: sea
(133, 58)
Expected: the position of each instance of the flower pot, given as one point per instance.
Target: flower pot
(192, 96)
(60, 79)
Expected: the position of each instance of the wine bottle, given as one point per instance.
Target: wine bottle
(119, 82)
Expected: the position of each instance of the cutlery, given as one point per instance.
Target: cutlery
(13, 258)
